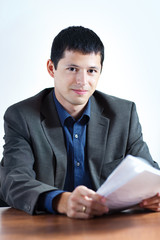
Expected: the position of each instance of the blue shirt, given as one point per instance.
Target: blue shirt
(77, 165)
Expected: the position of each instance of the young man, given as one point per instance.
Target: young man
(63, 143)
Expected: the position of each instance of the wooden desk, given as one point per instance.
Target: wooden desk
(17, 225)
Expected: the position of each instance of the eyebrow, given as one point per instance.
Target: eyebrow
(74, 65)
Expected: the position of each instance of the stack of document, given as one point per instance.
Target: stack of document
(131, 182)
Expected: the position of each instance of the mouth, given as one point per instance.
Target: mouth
(80, 92)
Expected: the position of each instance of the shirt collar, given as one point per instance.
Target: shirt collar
(63, 114)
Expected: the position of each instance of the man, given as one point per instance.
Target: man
(63, 143)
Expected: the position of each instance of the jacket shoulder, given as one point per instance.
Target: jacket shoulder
(101, 96)
(31, 103)
(111, 103)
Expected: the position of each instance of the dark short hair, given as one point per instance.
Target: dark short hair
(76, 38)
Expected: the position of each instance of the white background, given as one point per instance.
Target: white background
(129, 29)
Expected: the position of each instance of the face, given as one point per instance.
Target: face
(75, 78)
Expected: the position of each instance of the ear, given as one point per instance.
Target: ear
(50, 68)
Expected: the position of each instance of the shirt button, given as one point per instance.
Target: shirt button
(78, 164)
(76, 135)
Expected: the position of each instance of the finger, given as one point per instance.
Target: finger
(80, 215)
(96, 204)
(89, 198)
(97, 207)
(93, 207)
(91, 211)
(87, 206)
(76, 202)
(152, 198)
(88, 193)
(150, 201)
(82, 196)
(82, 190)
(154, 207)
(79, 211)
(97, 198)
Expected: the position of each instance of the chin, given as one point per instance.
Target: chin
(80, 102)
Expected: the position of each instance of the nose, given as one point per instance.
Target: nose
(81, 78)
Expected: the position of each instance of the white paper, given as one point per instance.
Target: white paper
(131, 182)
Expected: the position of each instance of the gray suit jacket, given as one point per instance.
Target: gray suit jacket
(35, 158)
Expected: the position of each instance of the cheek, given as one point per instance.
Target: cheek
(93, 82)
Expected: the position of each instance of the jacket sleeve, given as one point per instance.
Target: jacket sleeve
(19, 186)
(135, 145)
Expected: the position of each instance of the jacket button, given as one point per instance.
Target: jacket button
(27, 207)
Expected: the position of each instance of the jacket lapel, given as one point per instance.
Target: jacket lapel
(96, 141)
(55, 136)
(97, 133)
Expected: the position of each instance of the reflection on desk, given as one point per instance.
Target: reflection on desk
(127, 225)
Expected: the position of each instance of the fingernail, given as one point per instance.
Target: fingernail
(103, 199)
(144, 203)
(107, 210)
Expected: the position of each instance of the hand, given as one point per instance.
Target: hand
(152, 203)
(82, 203)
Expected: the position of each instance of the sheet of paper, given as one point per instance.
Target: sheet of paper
(131, 182)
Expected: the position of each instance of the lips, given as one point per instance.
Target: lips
(80, 92)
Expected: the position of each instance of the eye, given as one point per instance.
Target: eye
(92, 71)
(72, 69)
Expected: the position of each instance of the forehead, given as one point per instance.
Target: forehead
(79, 58)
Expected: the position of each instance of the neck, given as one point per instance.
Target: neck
(75, 111)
